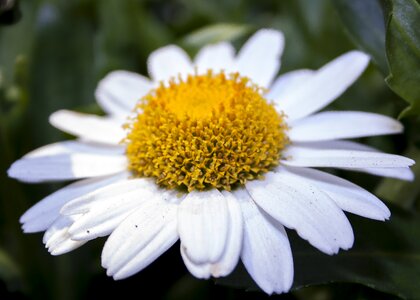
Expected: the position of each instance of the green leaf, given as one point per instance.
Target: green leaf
(403, 52)
(9, 272)
(385, 256)
(214, 34)
(62, 66)
(365, 23)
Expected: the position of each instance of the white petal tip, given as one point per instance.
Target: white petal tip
(272, 33)
(12, 172)
(54, 118)
(26, 228)
(359, 57)
(118, 277)
(56, 251)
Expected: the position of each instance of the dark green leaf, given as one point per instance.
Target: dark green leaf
(403, 52)
(9, 272)
(385, 256)
(62, 69)
(365, 22)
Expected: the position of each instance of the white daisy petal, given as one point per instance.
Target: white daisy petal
(339, 145)
(40, 216)
(167, 62)
(231, 254)
(140, 239)
(201, 271)
(102, 219)
(118, 92)
(232, 251)
(145, 188)
(287, 83)
(299, 205)
(69, 147)
(305, 156)
(266, 251)
(66, 167)
(259, 58)
(203, 222)
(108, 207)
(342, 125)
(216, 57)
(57, 239)
(398, 173)
(324, 86)
(403, 173)
(88, 127)
(348, 196)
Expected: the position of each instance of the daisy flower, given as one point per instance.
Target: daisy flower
(215, 152)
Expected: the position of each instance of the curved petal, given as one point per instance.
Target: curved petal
(140, 239)
(69, 147)
(300, 205)
(403, 173)
(40, 216)
(169, 62)
(324, 86)
(348, 196)
(203, 223)
(144, 187)
(307, 156)
(57, 239)
(229, 259)
(118, 92)
(287, 83)
(106, 208)
(69, 166)
(398, 173)
(201, 271)
(88, 127)
(233, 247)
(102, 219)
(266, 251)
(334, 125)
(216, 57)
(259, 57)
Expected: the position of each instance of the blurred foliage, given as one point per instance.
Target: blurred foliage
(365, 22)
(403, 51)
(55, 54)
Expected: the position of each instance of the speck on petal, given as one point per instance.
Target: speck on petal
(40, 216)
(299, 205)
(140, 239)
(348, 196)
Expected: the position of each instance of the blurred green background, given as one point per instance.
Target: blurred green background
(53, 53)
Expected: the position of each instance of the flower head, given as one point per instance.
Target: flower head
(215, 154)
(209, 131)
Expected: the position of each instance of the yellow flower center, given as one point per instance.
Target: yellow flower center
(208, 131)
